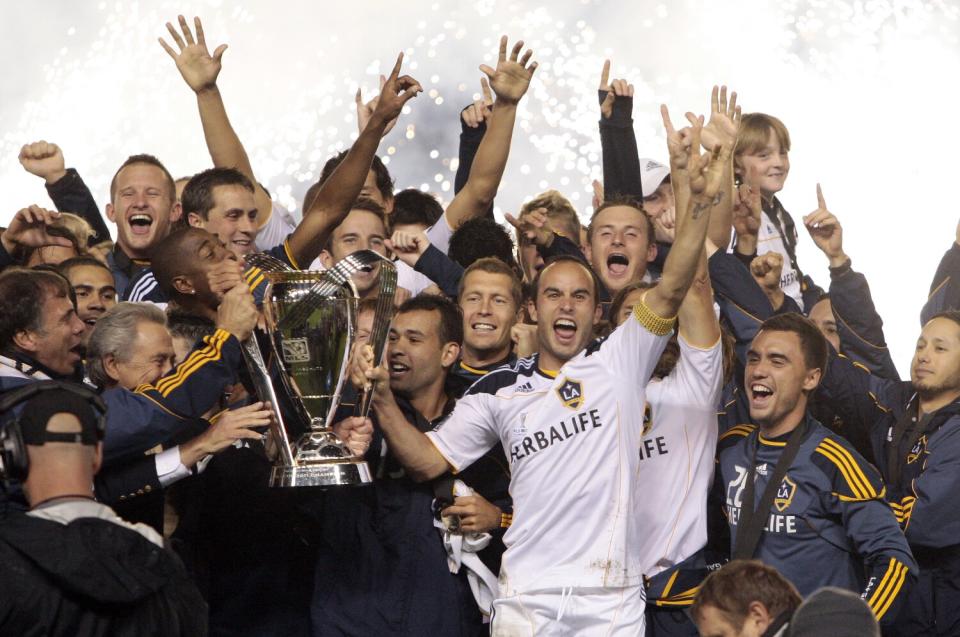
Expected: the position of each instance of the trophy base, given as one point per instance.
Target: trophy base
(329, 474)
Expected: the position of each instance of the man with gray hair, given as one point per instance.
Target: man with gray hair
(131, 347)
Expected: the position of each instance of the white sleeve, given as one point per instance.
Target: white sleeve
(169, 467)
(633, 349)
(275, 230)
(440, 233)
(467, 433)
(698, 375)
(410, 279)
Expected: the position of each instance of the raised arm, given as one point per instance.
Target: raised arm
(200, 70)
(509, 81)
(618, 141)
(859, 325)
(409, 445)
(706, 181)
(337, 194)
(67, 190)
(473, 126)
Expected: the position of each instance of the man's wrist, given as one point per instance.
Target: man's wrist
(210, 90)
(746, 245)
(54, 177)
(838, 261)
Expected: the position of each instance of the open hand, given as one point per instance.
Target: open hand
(511, 79)
(724, 123)
(198, 68)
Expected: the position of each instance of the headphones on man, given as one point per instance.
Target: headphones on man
(14, 462)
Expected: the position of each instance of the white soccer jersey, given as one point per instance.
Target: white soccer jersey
(572, 440)
(677, 450)
(439, 235)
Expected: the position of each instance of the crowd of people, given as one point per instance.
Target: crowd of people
(652, 423)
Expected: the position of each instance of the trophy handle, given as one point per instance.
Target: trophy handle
(381, 325)
(265, 391)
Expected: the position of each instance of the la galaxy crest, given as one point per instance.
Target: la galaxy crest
(918, 450)
(785, 493)
(571, 393)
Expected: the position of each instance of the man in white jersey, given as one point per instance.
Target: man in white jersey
(570, 421)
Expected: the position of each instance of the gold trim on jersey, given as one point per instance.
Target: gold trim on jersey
(738, 430)
(882, 598)
(856, 479)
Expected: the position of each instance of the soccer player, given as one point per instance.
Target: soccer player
(795, 493)
(573, 560)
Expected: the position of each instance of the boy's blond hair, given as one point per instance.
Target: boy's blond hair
(755, 130)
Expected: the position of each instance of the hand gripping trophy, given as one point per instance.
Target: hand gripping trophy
(310, 322)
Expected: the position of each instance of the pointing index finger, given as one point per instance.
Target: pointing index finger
(605, 75)
(396, 67)
(820, 201)
(487, 94)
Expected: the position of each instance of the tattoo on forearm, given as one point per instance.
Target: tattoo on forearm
(699, 209)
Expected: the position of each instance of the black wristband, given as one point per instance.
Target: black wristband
(841, 269)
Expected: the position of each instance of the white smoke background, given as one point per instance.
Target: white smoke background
(867, 88)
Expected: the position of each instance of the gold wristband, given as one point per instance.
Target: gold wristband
(506, 519)
(654, 323)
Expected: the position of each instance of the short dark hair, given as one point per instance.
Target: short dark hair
(738, 584)
(367, 205)
(451, 319)
(384, 181)
(812, 342)
(493, 265)
(22, 294)
(567, 258)
(144, 158)
(197, 195)
(951, 315)
(628, 202)
(413, 206)
(183, 324)
(75, 262)
(478, 238)
(167, 261)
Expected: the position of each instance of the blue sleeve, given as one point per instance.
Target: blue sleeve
(618, 142)
(70, 194)
(470, 139)
(561, 246)
(858, 323)
(863, 401)
(931, 517)
(855, 495)
(441, 269)
(742, 303)
(945, 288)
(153, 414)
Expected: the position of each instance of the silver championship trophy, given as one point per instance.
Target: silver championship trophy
(311, 319)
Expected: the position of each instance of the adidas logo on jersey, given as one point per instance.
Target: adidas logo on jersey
(524, 388)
